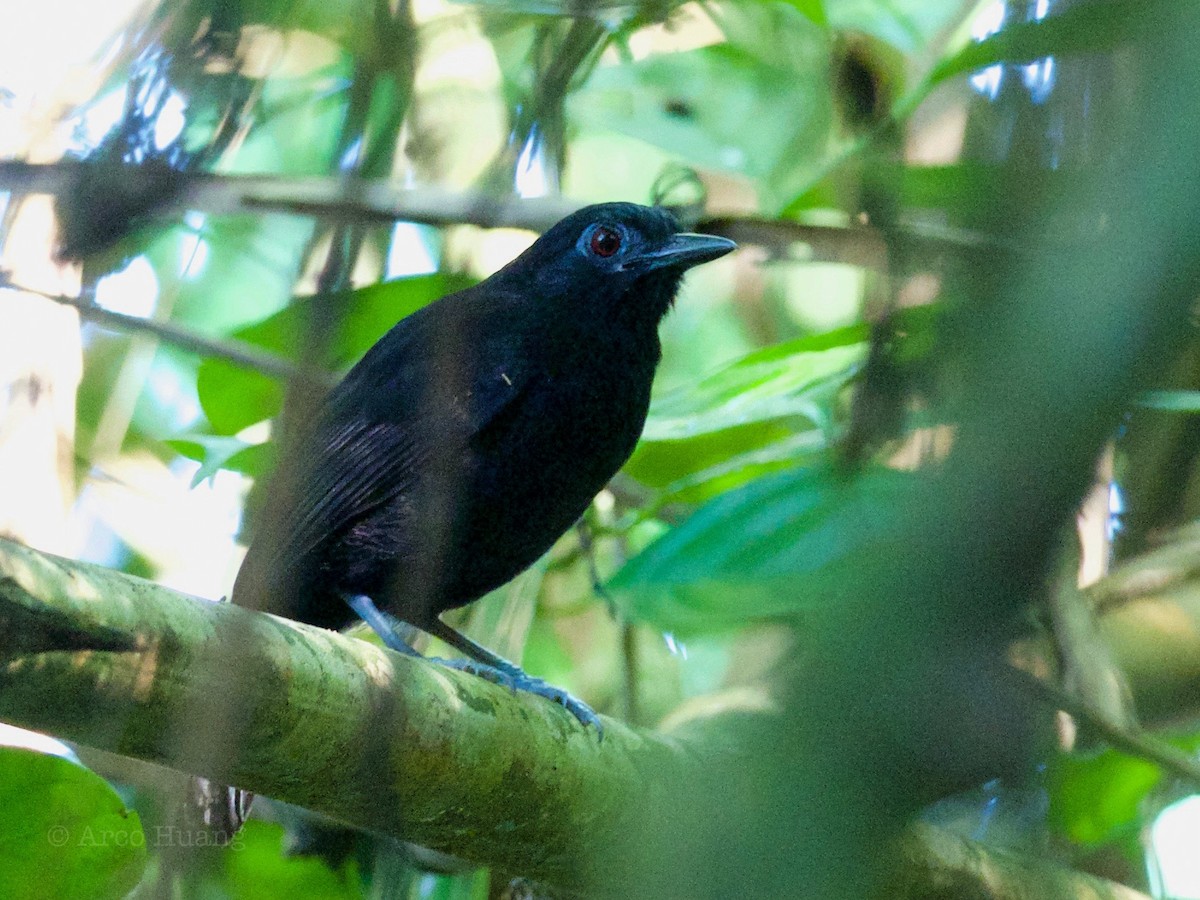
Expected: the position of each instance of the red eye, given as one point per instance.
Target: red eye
(605, 241)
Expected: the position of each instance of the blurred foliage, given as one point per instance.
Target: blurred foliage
(734, 511)
(258, 867)
(1100, 798)
(66, 831)
(234, 397)
(693, 105)
(1105, 801)
(753, 553)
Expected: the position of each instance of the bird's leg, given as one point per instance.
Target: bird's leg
(499, 670)
(587, 546)
(388, 627)
(483, 662)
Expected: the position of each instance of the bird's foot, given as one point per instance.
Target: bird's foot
(520, 681)
(387, 626)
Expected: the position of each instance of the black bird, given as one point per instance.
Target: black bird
(474, 434)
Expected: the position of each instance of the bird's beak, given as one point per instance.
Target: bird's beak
(683, 251)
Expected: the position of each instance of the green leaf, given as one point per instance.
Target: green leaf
(255, 460)
(666, 464)
(258, 866)
(1101, 798)
(1094, 800)
(348, 22)
(758, 552)
(234, 397)
(907, 25)
(213, 275)
(1171, 401)
(702, 482)
(297, 123)
(64, 832)
(813, 10)
(215, 452)
(695, 104)
(768, 409)
(1086, 28)
(221, 272)
(709, 607)
(775, 383)
(975, 196)
(958, 190)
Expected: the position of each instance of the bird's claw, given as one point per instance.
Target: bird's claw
(480, 670)
(522, 682)
(576, 707)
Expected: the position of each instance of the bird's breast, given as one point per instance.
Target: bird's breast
(535, 470)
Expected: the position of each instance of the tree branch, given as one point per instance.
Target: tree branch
(938, 864)
(468, 767)
(376, 200)
(502, 779)
(159, 193)
(235, 351)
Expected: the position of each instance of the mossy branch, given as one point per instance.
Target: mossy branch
(327, 722)
(374, 739)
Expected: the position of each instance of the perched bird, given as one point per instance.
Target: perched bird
(473, 435)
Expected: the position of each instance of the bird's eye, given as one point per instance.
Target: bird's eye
(605, 241)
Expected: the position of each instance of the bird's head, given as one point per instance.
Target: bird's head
(618, 258)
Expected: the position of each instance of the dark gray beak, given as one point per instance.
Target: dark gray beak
(683, 251)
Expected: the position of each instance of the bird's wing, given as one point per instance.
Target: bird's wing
(343, 472)
(368, 450)
(350, 472)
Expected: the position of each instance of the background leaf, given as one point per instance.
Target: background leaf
(234, 397)
(64, 832)
(760, 551)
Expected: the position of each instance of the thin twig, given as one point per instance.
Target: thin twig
(373, 200)
(1135, 743)
(237, 352)
(324, 197)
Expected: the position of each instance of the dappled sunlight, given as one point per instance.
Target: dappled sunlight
(1174, 865)
(376, 664)
(132, 291)
(188, 531)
